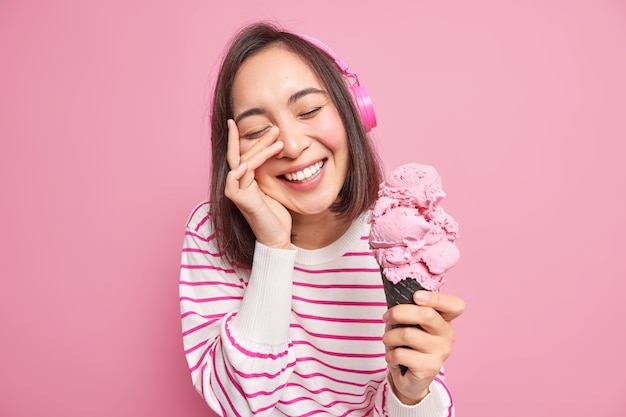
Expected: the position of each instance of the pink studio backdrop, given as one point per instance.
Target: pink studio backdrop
(520, 105)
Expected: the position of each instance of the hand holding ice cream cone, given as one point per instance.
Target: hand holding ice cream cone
(421, 352)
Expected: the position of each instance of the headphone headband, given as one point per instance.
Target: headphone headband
(340, 62)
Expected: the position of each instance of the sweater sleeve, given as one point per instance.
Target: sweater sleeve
(235, 331)
(438, 403)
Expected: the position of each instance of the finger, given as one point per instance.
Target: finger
(410, 314)
(236, 174)
(408, 337)
(421, 328)
(232, 180)
(232, 151)
(420, 363)
(427, 319)
(247, 178)
(263, 149)
(449, 306)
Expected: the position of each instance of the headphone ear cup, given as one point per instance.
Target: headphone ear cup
(364, 105)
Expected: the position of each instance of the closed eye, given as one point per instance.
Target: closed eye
(256, 134)
(311, 113)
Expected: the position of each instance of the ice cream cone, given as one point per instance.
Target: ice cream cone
(400, 293)
(411, 236)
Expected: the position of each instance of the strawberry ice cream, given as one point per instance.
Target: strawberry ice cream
(412, 237)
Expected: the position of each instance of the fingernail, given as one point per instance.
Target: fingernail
(422, 296)
(386, 315)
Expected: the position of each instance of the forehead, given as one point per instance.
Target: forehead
(274, 70)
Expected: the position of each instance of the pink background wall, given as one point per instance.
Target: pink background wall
(520, 105)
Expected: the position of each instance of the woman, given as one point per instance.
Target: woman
(282, 304)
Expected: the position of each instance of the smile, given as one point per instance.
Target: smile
(306, 173)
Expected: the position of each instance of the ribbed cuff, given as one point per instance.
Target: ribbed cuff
(265, 311)
(437, 403)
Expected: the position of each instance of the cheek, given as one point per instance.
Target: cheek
(333, 133)
(244, 146)
(261, 172)
(263, 178)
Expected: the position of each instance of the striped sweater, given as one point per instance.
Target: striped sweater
(297, 335)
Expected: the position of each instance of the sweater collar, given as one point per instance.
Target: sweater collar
(348, 241)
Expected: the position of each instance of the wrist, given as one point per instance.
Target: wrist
(408, 400)
(412, 401)
(276, 244)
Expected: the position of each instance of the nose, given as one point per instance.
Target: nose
(294, 140)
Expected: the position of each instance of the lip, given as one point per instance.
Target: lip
(310, 182)
(302, 167)
(306, 173)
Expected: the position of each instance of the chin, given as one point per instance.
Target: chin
(311, 210)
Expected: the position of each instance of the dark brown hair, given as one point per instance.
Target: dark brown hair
(234, 236)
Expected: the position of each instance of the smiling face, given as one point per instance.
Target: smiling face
(275, 87)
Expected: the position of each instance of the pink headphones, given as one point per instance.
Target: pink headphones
(359, 94)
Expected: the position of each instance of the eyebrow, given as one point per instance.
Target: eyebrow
(292, 99)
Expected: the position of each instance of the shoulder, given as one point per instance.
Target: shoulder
(200, 233)
(199, 219)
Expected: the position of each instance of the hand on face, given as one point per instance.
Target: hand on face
(429, 346)
(269, 220)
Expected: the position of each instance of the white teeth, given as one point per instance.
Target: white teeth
(305, 173)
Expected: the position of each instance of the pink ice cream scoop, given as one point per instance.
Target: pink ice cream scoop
(412, 237)
(413, 185)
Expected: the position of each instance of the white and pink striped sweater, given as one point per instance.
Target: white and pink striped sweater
(298, 335)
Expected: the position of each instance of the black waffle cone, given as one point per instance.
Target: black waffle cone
(400, 293)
